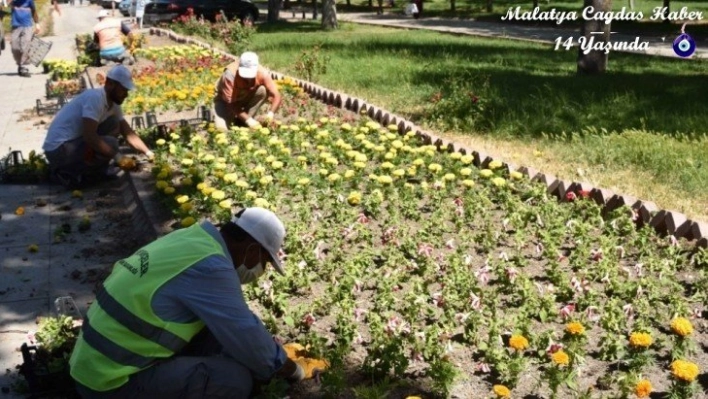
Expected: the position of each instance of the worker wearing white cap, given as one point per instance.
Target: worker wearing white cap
(240, 92)
(83, 137)
(171, 320)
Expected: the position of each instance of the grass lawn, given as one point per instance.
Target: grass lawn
(639, 129)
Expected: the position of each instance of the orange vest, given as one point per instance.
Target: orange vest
(109, 33)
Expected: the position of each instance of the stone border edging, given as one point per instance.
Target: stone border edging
(664, 222)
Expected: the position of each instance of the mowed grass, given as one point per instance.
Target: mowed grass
(640, 129)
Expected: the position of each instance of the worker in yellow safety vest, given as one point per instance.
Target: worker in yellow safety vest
(171, 320)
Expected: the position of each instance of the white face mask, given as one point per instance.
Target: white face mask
(248, 276)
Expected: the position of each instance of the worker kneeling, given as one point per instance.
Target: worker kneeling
(171, 320)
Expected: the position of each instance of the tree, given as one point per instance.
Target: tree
(594, 62)
(329, 15)
(667, 5)
(273, 10)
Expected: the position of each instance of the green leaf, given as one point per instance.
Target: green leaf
(289, 321)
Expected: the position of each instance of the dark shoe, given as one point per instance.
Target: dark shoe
(24, 72)
(69, 181)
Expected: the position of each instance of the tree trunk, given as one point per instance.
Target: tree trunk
(667, 5)
(314, 9)
(489, 5)
(452, 5)
(371, 3)
(595, 31)
(273, 10)
(535, 3)
(349, 3)
(631, 4)
(286, 4)
(329, 15)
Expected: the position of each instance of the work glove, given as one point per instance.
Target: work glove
(253, 124)
(126, 163)
(310, 366)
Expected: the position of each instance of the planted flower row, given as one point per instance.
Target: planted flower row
(405, 260)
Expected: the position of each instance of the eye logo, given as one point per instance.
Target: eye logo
(684, 45)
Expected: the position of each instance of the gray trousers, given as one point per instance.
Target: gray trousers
(21, 39)
(76, 158)
(199, 371)
(225, 114)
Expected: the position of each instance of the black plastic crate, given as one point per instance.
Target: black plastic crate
(43, 381)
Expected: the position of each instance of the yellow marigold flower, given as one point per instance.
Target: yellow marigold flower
(303, 182)
(468, 183)
(435, 167)
(218, 195)
(449, 177)
(334, 177)
(681, 326)
(640, 340)
(399, 172)
(187, 161)
(230, 177)
(261, 202)
(346, 127)
(495, 165)
(33, 248)
(169, 190)
(466, 159)
(560, 358)
(77, 194)
(188, 221)
(642, 389)
(182, 199)
(226, 204)
(465, 172)
(387, 165)
(501, 391)
(161, 184)
(160, 142)
(514, 175)
(265, 180)
(359, 165)
(187, 181)
(684, 370)
(384, 179)
(418, 162)
(186, 207)
(455, 155)
(486, 173)
(354, 198)
(276, 165)
(499, 181)
(518, 342)
(348, 174)
(575, 328)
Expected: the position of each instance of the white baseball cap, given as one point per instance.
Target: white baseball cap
(248, 65)
(103, 14)
(266, 229)
(122, 75)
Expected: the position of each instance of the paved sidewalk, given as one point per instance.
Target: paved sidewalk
(68, 262)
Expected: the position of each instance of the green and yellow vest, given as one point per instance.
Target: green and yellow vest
(121, 334)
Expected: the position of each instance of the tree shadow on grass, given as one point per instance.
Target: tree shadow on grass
(530, 90)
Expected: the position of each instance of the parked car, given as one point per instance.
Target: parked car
(110, 3)
(167, 10)
(127, 8)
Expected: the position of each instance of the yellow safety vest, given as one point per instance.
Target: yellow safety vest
(121, 334)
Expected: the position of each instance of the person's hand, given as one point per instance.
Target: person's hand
(253, 124)
(126, 163)
(294, 350)
(269, 116)
(311, 367)
(150, 155)
(37, 28)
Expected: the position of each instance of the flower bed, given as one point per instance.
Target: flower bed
(409, 262)
(182, 77)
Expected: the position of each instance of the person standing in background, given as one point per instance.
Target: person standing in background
(25, 24)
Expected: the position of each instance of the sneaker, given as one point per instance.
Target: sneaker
(24, 72)
(69, 181)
